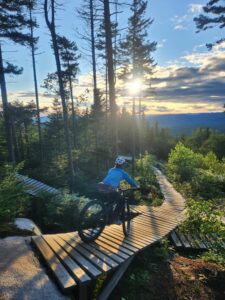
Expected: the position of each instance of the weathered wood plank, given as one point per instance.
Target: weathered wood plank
(78, 273)
(61, 274)
(103, 251)
(175, 239)
(76, 256)
(101, 263)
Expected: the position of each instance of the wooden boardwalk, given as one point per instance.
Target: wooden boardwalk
(75, 263)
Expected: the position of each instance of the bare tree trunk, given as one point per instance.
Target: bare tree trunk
(96, 98)
(111, 74)
(36, 91)
(8, 125)
(133, 138)
(51, 26)
(73, 112)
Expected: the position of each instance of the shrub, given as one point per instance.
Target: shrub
(183, 163)
(208, 185)
(59, 212)
(147, 180)
(204, 217)
(13, 200)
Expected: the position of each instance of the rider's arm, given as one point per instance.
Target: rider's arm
(129, 179)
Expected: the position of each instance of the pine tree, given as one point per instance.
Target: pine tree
(33, 42)
(214, 16)
(136, 50)
(135, 56)
(49, 10)
(13, 22)
(69, 56)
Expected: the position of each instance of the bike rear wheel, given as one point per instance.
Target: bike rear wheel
(126, 218)
(92, 221)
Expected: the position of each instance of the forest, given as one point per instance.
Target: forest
(71, 143)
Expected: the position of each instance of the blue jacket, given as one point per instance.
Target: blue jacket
(115, 175)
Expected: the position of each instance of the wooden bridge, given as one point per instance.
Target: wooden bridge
(75, 263)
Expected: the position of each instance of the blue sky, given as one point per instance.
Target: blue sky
(189, 78)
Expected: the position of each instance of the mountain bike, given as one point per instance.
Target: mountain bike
(98, 213)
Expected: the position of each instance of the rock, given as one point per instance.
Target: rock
(27, 224)
(21, 275)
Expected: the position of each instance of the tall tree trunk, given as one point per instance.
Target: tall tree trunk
(73, 112)
(8, 125)
(51, 26)
(36, 91)
(111, 74)
(133, 137)
(96, 98)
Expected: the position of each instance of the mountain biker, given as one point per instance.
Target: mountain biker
(117, 174)
(111, 182)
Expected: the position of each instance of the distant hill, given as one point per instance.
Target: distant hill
(183, 123)
(186, 123)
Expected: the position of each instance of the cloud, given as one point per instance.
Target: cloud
(184, 22)
(193, 83)
(195, 8)
(161, 43)
(180, 22)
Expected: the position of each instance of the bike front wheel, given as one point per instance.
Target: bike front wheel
(92, 221)
(126, 216)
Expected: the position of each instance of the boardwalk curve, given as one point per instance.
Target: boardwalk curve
(75, 263)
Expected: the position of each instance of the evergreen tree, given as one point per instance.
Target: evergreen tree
(33, 42)
(13, 22)
(214, 16)
(69, 57)
(136, 50)
(49, 9)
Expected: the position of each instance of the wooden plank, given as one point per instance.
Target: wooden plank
(72, 267)
(122, 250)
(114, 249)
(61, 274)
(100, 263)
(117, 259)
(175, 239)
(101, 254)
(76, 256)
(159, 220)
(150, 230)
(160, 223)
(121, 237)
(119, 241)
(130, 238)
(183, 240)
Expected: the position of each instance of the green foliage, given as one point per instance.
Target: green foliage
(146, 179)
(204, 140)
(204, 217)
(13, 200)
(183, 163)
(207, 185)
(60, 212)
(202, 175)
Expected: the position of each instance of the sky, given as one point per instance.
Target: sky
(188, 78)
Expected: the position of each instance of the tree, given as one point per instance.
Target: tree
(111, 74)
(88, 14)
(69, 57)
(13, 21)
(33, 42)
(214, 16)
(49, 9)
(135, 56)
(136, 49)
